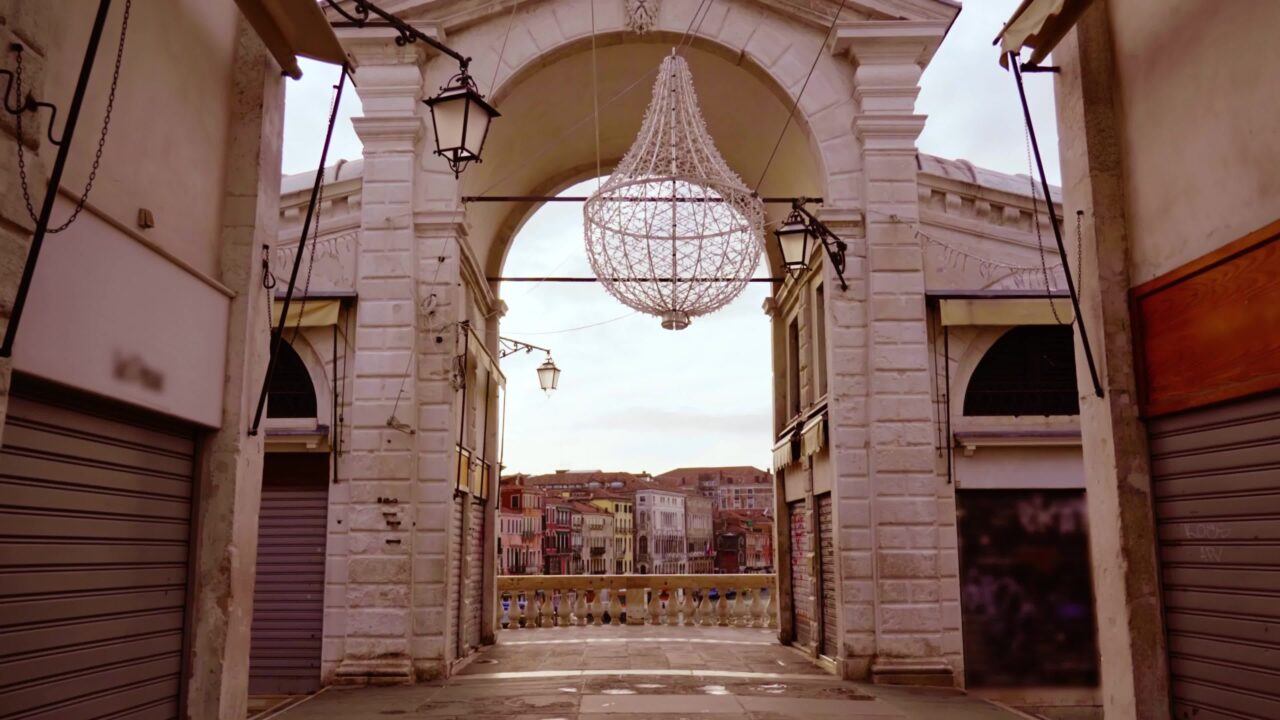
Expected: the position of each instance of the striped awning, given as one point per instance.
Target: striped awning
(1039, 25)
(813, 438)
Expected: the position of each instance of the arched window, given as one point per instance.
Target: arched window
(291, 394)
(1030, 370)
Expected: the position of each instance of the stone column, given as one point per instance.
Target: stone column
(373, 621)
(906, 513)
(1122, 533)
(231, 460)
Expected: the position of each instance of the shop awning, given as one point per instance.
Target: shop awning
(1007, 312)
(292, 29)
(312, 313)
(1039, 25)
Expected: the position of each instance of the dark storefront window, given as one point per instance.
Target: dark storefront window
(1025, 592)
(1029, 371)
(291, 394)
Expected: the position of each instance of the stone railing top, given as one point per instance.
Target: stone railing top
(516, 583)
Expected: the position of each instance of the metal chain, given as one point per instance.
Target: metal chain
(1079, 255)
(1035, 221)
(315, 237)
(269, 283)
(102, 137)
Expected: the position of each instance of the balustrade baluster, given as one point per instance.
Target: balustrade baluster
(703, 616)
(689, 607)
(597, 609)
(521, 601)
(755, 610)
(771, 610)
(615, 607)
(580, 608)
(722, 608)
(738, 613)
(673, 606)
(547, 619)
(655, 606)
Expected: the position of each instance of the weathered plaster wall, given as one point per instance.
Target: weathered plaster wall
(1184, 66)
(175, 54)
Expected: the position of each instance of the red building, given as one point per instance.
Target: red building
(557, 537)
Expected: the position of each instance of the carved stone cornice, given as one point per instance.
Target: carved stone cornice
(889, 42)
(388, 131)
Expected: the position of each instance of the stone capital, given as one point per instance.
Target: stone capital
(889, 42)
(388, 134)
(369, 46)
(885, 133)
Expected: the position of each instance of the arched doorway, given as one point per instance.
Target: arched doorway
(430, 294)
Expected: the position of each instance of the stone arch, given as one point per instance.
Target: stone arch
(763, 52)
(316, 365)
(982, 352)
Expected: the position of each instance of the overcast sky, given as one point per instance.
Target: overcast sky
(633, 396)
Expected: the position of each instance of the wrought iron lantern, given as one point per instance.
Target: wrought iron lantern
(793, 240)
(460, 117)
(797, 234)
(548, 375)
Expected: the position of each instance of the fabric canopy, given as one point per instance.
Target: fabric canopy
(1005, 311)
(312, 313)
(1039, 25)
(293, 28)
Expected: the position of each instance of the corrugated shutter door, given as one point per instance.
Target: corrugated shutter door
(475, 577)
(801, 600)
(1216, 476)
(95, 510)
(830, 628)
(455, 574)
(288, 596)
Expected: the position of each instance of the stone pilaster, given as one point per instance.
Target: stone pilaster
(231, 460)
(373, 623)
(1122, 532)
(908, 506)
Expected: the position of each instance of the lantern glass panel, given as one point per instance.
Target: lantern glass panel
(793, 240)
(449, 116)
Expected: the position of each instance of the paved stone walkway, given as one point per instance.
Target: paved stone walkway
(642, 673)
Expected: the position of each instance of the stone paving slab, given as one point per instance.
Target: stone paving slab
(649, 674)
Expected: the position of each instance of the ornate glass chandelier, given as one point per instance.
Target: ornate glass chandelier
(674, 232)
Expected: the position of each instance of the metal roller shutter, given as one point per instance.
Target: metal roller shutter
(475, 574)
(826, 543)
(1216, 479)
(288, 595)
(455, 575)
(801, 597)
(95, 510)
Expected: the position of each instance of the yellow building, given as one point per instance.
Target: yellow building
(624, 531)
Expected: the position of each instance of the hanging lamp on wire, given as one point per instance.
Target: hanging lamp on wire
(674, 232)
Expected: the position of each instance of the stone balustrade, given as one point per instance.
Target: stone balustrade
(548, 601)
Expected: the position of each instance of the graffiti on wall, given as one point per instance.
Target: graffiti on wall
(1026, 597)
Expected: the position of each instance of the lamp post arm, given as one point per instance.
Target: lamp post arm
(510, 346)
(359, 17)
(834, 246)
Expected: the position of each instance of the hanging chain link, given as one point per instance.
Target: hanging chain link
(102, 137)
(315, 236)
(269, 283)
(1035, 221)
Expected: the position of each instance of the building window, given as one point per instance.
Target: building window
(1030, 370)
(819, 345)
(291, 394)
(793, 368)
